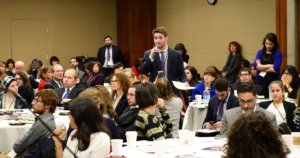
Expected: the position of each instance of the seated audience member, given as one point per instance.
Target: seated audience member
(119, 86)
(57, 77)
(233, 63)
(118, 67)
(247, 100)
(34, 68)
(207, 83)
(45, 76)
(107, 111)
(253, 72)
(90, 138)
(173, 104)
(215, 70)
(95, 76)
(296, 119)
(10, 67)
(245, 76)
(70, 90)
(253, 135)
(74, 64)
(2, 70)
(283, 110)
(44, 105)
(147, 125)
(137, 68)
(224, 100)
(182, 50)
(143, 78)
(245, 63)
(193, 77)
(20, 66)
(127, 119)
(130, 75)
(54, 60)
(8, 98)
(291, 81)
(24, 88)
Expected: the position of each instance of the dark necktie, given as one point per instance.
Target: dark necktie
(108, 53)
(220, 110)
(162, 60)
(67, 94)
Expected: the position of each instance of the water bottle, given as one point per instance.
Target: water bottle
(206, 95)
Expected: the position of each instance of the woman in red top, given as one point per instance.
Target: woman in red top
(45, 76)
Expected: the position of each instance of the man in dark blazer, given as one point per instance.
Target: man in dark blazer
(162, 60)
(247, 101)
(57, 76)
(71, 88)
(108, 55)
(224, 100)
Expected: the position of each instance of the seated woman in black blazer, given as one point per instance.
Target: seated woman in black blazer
(282, 109)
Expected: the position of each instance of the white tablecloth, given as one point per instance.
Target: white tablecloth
(203, 147)
(194, 116)
(10, 134)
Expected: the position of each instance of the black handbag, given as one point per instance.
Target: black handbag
(283, 128)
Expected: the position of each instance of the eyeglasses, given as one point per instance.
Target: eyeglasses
(246, 74)
(286, 73)
(130, 95)
(243, 102)
(36, 100)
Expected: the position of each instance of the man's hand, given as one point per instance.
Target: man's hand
(208, 126)
(217, 125)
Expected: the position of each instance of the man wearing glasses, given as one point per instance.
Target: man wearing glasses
(44, 105)
(218, 104)
(247, 101)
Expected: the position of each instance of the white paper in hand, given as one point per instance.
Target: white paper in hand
(181, 85)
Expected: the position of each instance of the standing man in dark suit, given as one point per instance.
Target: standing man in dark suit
(57, 77)
(108, 55)
(217, 105)
(162, 60)
(71, 88)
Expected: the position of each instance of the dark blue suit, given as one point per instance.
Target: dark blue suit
(213, 106)
(175, 70)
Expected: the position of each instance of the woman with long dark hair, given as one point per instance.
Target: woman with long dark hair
(90, 138)
(24, 86)
(290, 79)
(267, 63)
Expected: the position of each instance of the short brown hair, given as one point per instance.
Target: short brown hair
(164, 88)
(161, 30)
(48, 97)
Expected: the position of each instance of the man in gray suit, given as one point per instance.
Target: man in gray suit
(247, 100)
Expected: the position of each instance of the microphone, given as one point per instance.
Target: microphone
(42, 121)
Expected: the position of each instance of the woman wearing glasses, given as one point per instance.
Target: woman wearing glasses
(282, 109)
(290, 79)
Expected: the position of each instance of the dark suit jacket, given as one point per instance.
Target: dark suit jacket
(213, 105)
(175, 70)
(232, 67)
(116, 54)
(288, 108)
(73, 94)
(51, 84)
(122, 105)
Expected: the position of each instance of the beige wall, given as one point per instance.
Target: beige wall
(73, 27)
(206, 30)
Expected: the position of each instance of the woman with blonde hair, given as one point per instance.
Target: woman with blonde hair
(173, 104)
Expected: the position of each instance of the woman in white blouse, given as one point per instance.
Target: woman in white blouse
(90, 138)
(282, 109)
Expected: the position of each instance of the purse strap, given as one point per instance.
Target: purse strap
(284, 120)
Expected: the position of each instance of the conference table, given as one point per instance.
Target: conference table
(9, 133)
(201, 147)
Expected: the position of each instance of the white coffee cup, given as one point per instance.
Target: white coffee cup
(296, 140)
(131, 137)
(186, 137)
(160, 147)
(288, 140)
(116, 145)
(198, 99)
